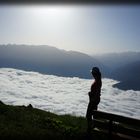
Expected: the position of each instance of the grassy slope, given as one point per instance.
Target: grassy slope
(20, 122)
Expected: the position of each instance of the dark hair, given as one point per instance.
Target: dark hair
(95, 71)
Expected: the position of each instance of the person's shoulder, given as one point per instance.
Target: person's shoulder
(94, 82)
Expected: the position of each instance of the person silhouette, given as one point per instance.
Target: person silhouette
(94, 97)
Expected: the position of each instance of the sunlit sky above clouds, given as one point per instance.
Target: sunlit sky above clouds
(89, 29)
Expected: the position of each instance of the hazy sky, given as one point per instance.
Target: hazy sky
(89, 29)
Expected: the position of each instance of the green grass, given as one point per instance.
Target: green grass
(21, 122)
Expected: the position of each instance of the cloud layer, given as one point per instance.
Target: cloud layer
(63, 95)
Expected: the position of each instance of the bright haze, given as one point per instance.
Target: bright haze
(85, 28)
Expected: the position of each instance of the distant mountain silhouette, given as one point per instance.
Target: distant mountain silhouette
(45, 59)
(129, 75)
(116, 60)
(124, 67)
(48, 60)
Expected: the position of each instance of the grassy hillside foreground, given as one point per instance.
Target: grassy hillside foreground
(21, 122)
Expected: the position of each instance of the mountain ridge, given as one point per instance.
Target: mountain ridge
(48, 60)
(51, 60)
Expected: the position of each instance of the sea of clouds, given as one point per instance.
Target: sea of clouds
(63, 95)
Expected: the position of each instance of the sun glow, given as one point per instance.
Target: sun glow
(54, 13)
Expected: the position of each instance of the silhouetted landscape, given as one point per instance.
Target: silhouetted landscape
(69, 72)
(47, 60)
(123, 67)
(27, 122)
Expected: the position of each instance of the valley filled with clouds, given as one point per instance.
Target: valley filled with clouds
(64, 95)
(50, 60)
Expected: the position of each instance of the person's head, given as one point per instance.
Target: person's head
(96, 73)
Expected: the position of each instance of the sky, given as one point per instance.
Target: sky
(90, 29)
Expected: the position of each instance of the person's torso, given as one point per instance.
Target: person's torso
(96, 89)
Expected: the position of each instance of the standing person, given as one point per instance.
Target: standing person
(94, 96)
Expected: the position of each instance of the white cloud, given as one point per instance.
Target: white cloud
(63, 95)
